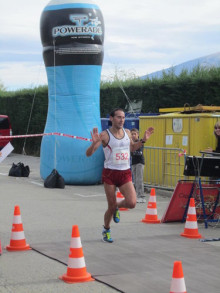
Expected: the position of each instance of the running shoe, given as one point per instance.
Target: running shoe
(116, 216)
(141, 200)
(106, 233)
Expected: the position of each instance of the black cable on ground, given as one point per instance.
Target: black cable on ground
(53, 258)
(209, 239)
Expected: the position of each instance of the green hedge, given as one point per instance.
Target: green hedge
(202, 86)
(18, 106)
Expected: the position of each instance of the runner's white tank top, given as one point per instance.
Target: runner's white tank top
(117, 152)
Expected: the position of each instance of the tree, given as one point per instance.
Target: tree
(2, 88)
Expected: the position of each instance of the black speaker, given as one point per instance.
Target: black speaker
(199, 166)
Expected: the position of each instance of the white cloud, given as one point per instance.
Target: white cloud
(133, 69)
(146, 36)
(23, 75)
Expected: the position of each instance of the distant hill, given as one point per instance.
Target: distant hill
(206, 62)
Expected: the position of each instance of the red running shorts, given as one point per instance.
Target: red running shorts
(116, 177)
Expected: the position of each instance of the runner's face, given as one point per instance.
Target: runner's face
(118, 120)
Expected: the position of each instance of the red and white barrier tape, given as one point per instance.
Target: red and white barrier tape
(182, 154)
(45, 134)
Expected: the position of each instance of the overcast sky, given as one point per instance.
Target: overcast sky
(140, 37)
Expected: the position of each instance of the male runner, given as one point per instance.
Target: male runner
(117, 145)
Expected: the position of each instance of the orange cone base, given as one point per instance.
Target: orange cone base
(150, 221)
(191, 236)
(68, 279)
(19, 248)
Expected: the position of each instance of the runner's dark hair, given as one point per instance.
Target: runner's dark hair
(112, 114)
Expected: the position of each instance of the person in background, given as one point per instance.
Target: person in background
(137, 167)
(217, 135)
(117, 145)
(217, 149)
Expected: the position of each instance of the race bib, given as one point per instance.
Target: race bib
(121, 156)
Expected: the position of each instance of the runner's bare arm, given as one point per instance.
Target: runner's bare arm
(136, 145)
(97, 140)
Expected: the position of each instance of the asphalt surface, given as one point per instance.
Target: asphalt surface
(140, 259)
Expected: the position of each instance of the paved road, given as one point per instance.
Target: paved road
(140, 260)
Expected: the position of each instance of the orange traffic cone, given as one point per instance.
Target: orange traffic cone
(76, 269)
(191, 226)
(120, 197)
(0, 247)
(17, 241)
(178, 282)
(151, 212)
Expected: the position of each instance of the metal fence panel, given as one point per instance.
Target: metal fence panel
(163, 166)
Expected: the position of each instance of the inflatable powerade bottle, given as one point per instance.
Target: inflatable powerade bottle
(72, 35)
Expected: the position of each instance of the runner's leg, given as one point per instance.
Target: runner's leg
(129, 194)
(111, 200)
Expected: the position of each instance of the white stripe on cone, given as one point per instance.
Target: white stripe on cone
(178, 285)
(76, 263)
(152, 199)
(17, 235)
(119, 199)
(151, 211)
(75, 242)
(17, 220)
(191, 225)
(191, 211)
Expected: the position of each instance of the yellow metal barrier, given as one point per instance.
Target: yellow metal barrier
(163, 167)
(173, 133)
